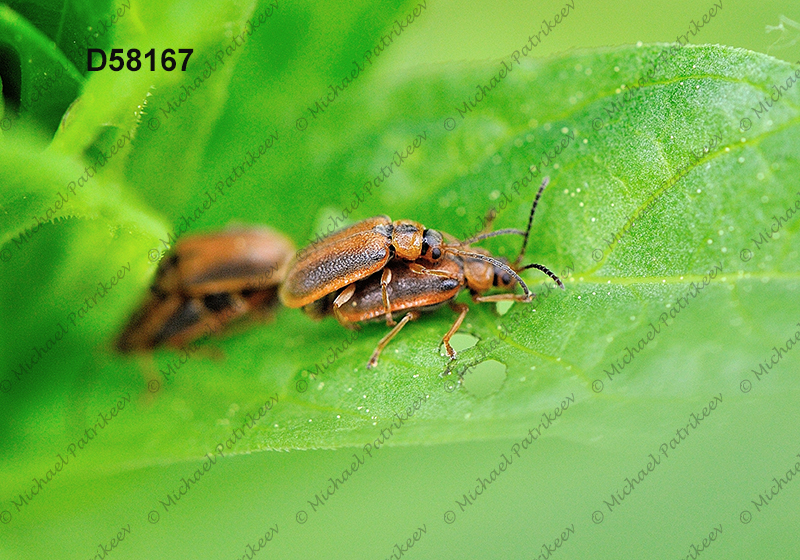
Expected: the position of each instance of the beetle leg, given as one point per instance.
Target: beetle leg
(386, 277)
(461, 309)
(410, 316)
(340, 300)
(419, 269)
(500, 297)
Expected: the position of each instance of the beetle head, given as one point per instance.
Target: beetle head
(432, 245)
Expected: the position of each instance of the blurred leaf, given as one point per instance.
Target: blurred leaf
(39, 82)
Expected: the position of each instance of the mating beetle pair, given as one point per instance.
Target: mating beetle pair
(375, 269)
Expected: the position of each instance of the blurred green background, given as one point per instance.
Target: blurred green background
(302, 48)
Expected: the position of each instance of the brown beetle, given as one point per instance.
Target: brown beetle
(424, 286)
(206, 282)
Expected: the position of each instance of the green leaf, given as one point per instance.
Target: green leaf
(614, 180)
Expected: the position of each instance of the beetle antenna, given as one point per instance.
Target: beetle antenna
(495, 262)
(530, 220)
(544, 269)
(482, 236)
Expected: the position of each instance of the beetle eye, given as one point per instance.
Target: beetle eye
(436, 253)
(506, 278)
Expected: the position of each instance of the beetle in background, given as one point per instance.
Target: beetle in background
(206, 280)
(371, 283)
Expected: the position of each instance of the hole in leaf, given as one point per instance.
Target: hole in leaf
(485, 378)
(503, 307)
(462, 341)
